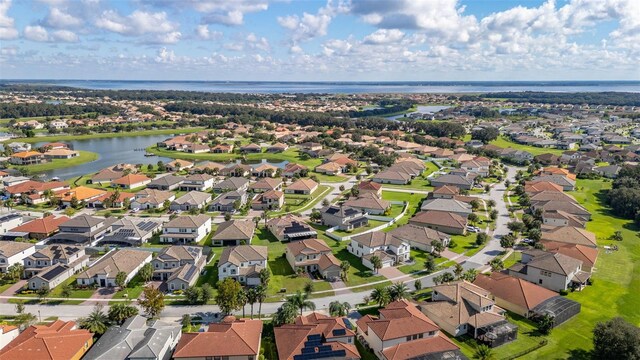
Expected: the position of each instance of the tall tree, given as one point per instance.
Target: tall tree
(121, 311)
(228, 298)
(261, 296)
(344, 270)
(121, 279)
(152, 301)
(301, 301)
(252, 298)
(381, 296)
(398, 291)
(337, 308)
(146, 272)
(96, 322)
(285, 314)
(376, 262)
(616, 339)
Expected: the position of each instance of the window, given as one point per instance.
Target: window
(408, 338)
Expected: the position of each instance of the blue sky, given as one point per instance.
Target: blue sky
(320, 40)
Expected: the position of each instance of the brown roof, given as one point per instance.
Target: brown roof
(534, 188)
(235, 230)
(34, 186)
(291, 338)
(442, 218)
(307, 246)
(131, 179)
(416, 348)
(447, 190)
(230, 337)
(570, 235)
(122, 260)
(188, 221)
(10, 248)
(514, 290)
(303, 184)
(56, 341)
(243, 253)
(369, 185)
(588, 255)
(398, 320)
(46, 225)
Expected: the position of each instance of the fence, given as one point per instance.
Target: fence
(390, 221)
(526, 351)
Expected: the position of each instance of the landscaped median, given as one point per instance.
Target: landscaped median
(84, 157)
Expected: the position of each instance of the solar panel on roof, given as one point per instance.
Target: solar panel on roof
(190, 272)
(49, 275)
(314, 336)
(339, 332)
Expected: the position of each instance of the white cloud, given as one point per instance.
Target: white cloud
(230, 13)
(165, 56)
(137, 23)
(384, 36)
(60, 20)
(36, 33)
(309, 26)
(64, 36)
(203, 33)
(7, 24)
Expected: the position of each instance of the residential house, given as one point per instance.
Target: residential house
(330, 168)
(10, 221)
(234, 232)
(562, 218)
(292, 169)
(237, 339)
(565, 182)
(389, 249)
(12, 252)
(403, 332)
(290, 228)
(179, 164)
(343, 217)
(222, 149)
(104, 271)
(136, 339)
(443, 221)
(191, 200)
(60, 154)
(197, 182)
(131, 181)
(236, 170)
(33, 192)
(37, 342)
(316, 336)
(41, 228)
(251, 149)
(457, 207)
(229, 202)
(151, 199)
(178, 266)
(395, 177)
(476, 166)
(167, 182)
(277, 148)
(186, 229)
(420, 237)
(82, 230)
(302, 187)
(80, 194)
(267, 184)
(264, 170)
(461, 308)
(553, 271)
(369, 204)
(231, 184)
(527, 299)
(7, 334)
(540, 186)
(243, 263)
(74, 256)
(370, 187)
(26, 158)
(131, 232)
(460, 181)
(109, 200)
(569, 235)
(310, 255)
(272, 200)
(587, 254)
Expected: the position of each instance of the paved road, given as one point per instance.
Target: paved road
(477, 261)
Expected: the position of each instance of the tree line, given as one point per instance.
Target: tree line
(578, 98)
(20, 110)
(624, 196)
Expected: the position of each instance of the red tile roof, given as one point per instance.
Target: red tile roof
(46, 225)
(56, 341)
(231, 337)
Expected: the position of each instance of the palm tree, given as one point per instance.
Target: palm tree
(381, 296)
(470, 275)
(376, 262)
(308, 287)
(242, 300)
(10, 203)
(261, 296)
(398, 291)
(337, 308)
(265, 277)
(285, 314)
(301, 301)
(252, 298)
(458, 270)
(97, 322)
(483, 352)
(344, 270)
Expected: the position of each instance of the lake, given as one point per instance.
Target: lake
(111, 151)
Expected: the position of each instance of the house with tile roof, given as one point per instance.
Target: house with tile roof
(55, 254)
(554, 271)
(179, 164)
(104, 271)
(190, 200)
(34, 190)
(389, 249)
(82, 230)
(178, 266)
(292, 169)
(369, 204)
(271, 199)
(461, 308)
(402, 331)
(444, 221)
(312, 255)
(26, 158)
(167, 182)
(314, 334)
(41, 228)
(330, 168)
(81, 194)
(290, 227)
(151, 199)
(302, 187)
(229, 202)
(12, 252)
(131, 181)
(231, 184)
(457, 207)
(568, 235)
(7, 334)
(58, 340)
(243, 263)
(459, 181)
(186, 229)
(136, 339)
(131, 231)
(420, 237)
(197, 182)
(234, 232)
(231, 338)
(343, 217)
(266, 184)
(370, 187)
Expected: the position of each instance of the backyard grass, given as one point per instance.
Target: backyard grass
(84, 157)
(372, 224)
(320, 193)
(133, 290)
(512, 259)
(413, 200)
(419, 257)
(329, 178)
(506, 143)
(465, 244)
(105, 135)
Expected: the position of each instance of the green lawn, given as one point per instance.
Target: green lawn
(414, 201)
(506, 143)
(106, 135)
(465, 244)
(512, 259)
(372, 224)
(419, 258)
(133, 290)
(295, 204)
(84, 157)
(329, 178)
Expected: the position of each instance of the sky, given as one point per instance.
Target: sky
(320, 40)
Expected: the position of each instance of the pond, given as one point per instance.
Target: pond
(111, 151)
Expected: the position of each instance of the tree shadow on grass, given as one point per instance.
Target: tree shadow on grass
(579, 354)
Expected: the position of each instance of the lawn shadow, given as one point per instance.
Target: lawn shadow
(579, 354)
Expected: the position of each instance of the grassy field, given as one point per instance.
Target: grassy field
(506, 143)
(372, 224)
(295, 201)
(414, 201)
(105, 135)
(84, 157)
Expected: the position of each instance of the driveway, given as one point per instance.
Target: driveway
(101, 293)
(391, 272)
(12, 290)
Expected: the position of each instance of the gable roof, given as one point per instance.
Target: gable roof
(59, 340)
(188, 221)
(569, 235)
(235, 230)
(46, 225)
(514, 290)
(243, 253)
(131, 179)
(230, 337)
(442, 218)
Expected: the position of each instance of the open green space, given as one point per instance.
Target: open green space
(513, 258)
(297, 203)
(51, 138)
(465, 244)
(534, 150)
(372, 224)
(419, 257)
(413, 200)
(84, 157)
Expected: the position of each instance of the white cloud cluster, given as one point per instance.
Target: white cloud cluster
(310, 26)
(230, 13)
(137, 23)
(203, 33)
(61, 20)
(7, 24)
(40, 34)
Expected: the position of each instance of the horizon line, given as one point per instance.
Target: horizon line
(337, 81)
